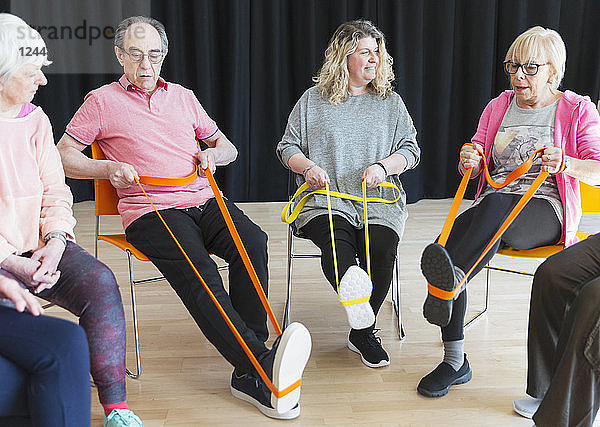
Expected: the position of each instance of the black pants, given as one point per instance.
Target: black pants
(202, 231)
(564, 336)
(350, 244)
(536, 225)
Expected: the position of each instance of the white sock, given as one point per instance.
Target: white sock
(454, 353)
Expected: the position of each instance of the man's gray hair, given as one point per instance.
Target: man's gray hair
(127, 22)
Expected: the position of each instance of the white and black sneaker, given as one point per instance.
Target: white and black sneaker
(252, 389)
(284, 365)
(365, 343)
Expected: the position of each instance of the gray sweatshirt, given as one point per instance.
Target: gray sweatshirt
(344, 140)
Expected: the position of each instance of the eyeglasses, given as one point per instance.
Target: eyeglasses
(154, 56)
(528, 69)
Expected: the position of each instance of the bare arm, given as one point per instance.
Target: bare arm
(587, 171)
(313, 174)
(375, 174)
(220, 152)
(395, 164)
(78, 165)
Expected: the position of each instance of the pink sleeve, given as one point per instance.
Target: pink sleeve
(85, 126)
(588, 132)
(6, 249)
(481, 133)
(204, 126)
(57, 200)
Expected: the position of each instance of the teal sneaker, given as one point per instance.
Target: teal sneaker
(122, 418)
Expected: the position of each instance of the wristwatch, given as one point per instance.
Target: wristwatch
(61, 235)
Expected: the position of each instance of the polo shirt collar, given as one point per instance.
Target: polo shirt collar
(130, 87)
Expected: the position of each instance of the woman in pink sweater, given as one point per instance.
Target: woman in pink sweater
(534, 114)
(38, 252)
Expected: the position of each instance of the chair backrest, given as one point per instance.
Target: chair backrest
(590, 198)
(105, 195)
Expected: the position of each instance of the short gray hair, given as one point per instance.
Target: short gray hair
(19, 45)
(543, 45)
(127, 22)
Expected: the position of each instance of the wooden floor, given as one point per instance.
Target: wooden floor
(185, 382)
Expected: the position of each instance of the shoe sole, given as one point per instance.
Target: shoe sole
(269, 412)
(522, 413)
(356, 284)
(289, 363)
(439, 393)
(365, 361)
(438, 269)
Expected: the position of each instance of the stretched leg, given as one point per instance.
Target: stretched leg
(346, 246)
(471, 233)
(218, 240)
(89, 290)
(536, 225)
(285, 362)
(149, 235)
(354, 283)
(53, 356)
(354, 287)
(383, 247)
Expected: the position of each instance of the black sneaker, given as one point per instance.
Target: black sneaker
(365, 343)
(438, 382)
(253, 390)
(284, 365)
(438, 269)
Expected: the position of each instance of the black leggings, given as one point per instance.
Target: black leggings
(350, 244)
(536, 225)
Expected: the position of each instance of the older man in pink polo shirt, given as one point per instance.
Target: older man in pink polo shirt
(146, 126)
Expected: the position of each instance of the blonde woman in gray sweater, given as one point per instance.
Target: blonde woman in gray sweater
(351, 126)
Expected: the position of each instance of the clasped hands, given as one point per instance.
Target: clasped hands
(18, 274)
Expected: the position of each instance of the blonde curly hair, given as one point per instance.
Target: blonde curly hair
(333, 77)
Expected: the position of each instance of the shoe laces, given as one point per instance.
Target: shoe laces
(373, 340)
(249, 376)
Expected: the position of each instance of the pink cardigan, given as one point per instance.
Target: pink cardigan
(576, 131)
(34, 199)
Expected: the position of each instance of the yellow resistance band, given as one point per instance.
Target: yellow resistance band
(328, 193)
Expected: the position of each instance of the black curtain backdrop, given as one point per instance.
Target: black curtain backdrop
(248, 61)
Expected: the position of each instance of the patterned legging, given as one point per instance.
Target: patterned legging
(89, 290)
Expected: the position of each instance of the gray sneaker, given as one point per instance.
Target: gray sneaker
(526, 406)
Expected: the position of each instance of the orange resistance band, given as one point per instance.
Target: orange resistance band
(170, 182)
(512, 176)
(247, 263)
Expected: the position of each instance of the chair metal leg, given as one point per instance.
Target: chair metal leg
(482, 312)
(138, 358)
(288, 298)
(96, 240)
(396, 298)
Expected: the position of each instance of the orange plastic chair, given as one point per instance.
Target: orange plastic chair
(106, 200)
(590, 203)
(105, 203)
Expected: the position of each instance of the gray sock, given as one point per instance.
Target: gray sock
(454, 353)
(458, 274)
